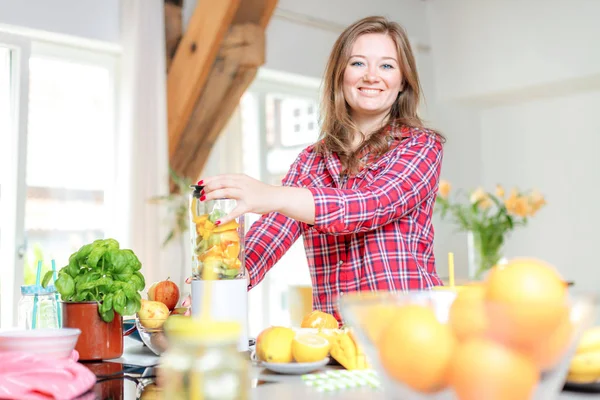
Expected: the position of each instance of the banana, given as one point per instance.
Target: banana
(586, 364)
(582, 378)
(590, 340)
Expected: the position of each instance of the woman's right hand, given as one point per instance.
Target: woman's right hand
(252, 195)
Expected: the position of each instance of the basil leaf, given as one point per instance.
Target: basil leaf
(96, 255)
(111, 244)
(125, 274)
(138, 280)
(119, 301)
(107, 316)
(73, 268)
(94, 284)
(106, 284)
(65, 286)
(131, 259)
(81, 295)
(46, 279)
(116, 260)
(132, 306)
(107, 303)
(83, 253)
(129, 290)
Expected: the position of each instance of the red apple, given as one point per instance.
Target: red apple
(166, 292)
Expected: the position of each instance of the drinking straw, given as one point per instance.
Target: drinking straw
(58, 308)
(451, 268)
(208, 275)
(35, 296)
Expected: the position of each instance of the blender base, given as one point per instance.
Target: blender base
(229, 302)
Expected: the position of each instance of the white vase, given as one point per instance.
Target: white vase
(474, 256)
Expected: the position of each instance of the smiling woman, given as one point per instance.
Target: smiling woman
(362, 196)
(372, 81)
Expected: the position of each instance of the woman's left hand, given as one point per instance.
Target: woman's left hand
(252, 196)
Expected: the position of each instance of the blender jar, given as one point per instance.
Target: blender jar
(217, 250)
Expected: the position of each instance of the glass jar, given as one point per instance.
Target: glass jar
(38, 307)
(217, 250)
(202, 361)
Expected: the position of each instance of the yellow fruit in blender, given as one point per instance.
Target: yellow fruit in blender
(231, 225)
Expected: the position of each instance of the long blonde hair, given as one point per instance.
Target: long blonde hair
(337, 126)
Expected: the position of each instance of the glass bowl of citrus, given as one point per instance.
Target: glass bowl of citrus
(511, 336)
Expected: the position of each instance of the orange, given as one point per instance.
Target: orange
(416, 349)
(231, 225)
(526, 300)
(467, 316)
(548, 352)
(374, 319)
(320, 320)
(484, 369)
(232, 250)
(229, 237)
(213, 252)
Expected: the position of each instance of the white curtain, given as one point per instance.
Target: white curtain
(142, 167)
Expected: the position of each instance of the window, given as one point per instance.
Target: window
(279, 120)
(5, 128)
(14, 54)
(69, 157)
(63, 140)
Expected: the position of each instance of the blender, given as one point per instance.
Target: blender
(218, 261)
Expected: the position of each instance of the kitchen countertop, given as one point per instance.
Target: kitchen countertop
(266, 384)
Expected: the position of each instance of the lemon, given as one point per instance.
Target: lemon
(274, 344)
(309, 347)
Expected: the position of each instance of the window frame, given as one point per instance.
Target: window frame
(286, 84)
(11, 209)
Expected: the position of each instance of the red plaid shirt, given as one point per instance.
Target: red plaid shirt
(372, 231)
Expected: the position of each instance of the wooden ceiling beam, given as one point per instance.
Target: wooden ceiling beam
(193, 62)
(256, 12)
(173, 29)
(241, 54)
(216, 60)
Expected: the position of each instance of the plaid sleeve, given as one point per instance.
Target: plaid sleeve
(410, 178)
(271, 236)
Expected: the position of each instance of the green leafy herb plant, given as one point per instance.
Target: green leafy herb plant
(102, 272)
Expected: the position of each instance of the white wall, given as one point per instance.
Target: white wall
(89, 19)
(525, 76)
(551, 144)
(303, 49)
(485, 48)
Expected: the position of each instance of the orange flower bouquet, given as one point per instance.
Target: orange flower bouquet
(487, 218)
